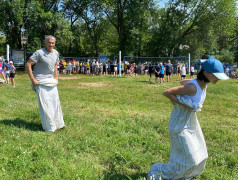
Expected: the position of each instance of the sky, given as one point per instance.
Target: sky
(161, 3)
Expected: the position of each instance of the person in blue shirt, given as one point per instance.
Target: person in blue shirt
(7, 71)
(161, 75)
(118, 68)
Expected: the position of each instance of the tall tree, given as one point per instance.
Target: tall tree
(139, 14)
(73, 11)
(12, 20)
(44, 19)
(2, 44)
(235, 48)
(130, 19)
(92, 17)
(184, 22)
(115, 11)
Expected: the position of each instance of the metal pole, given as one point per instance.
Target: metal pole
(119, 63)
(8, 52)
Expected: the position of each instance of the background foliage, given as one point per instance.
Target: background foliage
(138, 28)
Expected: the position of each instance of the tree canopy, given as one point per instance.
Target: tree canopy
(137, 28)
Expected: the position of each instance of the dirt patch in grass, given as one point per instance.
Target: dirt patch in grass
(70, 77)
(92, 84)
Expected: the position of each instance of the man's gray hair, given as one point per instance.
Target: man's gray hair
(47, 37)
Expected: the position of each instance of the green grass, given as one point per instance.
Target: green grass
(116, 129)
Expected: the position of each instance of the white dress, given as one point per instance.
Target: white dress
(188, 152)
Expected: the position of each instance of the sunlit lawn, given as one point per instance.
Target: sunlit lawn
(116, 129)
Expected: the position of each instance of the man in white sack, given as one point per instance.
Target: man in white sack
(44, 81)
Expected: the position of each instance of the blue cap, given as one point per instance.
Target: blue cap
(215, 67)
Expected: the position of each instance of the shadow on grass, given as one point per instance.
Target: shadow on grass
(116, 176)
(22, 124)
(147, 82)
(113, 174)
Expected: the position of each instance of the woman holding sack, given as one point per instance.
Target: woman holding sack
(188, 152)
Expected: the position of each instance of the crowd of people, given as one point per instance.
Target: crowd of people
(233, 73)
(95, 67)
(160, 70)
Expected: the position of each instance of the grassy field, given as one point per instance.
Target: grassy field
(116, 129)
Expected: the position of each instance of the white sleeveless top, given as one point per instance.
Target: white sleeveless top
(200, 94)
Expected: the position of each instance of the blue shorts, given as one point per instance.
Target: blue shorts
(161, 75)
(183, 76)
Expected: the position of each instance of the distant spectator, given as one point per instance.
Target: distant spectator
(131, 69)
(150, 70)
(115, 68)
(97, 67)
(233, 74)
(136, 69)
(101, 68)
(161, 74)
(111, 67)
(168, 70)
(128, 69)
(88, 66)
(122, 67)
(157, 72)
(70, 67)
(1, 69)
(178, 72)
(61, 67)
(146, 68)
(82, 67)
(183, 72)
(77, 67)
(192, 71)
(7, 71)
(65, 64)
(94, 67)
(74, 66)
(227, 70)
(12, 73)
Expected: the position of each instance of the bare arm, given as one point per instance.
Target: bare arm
(56, 72)
(183, 82)
(188, 89)
(29, 71)
(156, 71)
